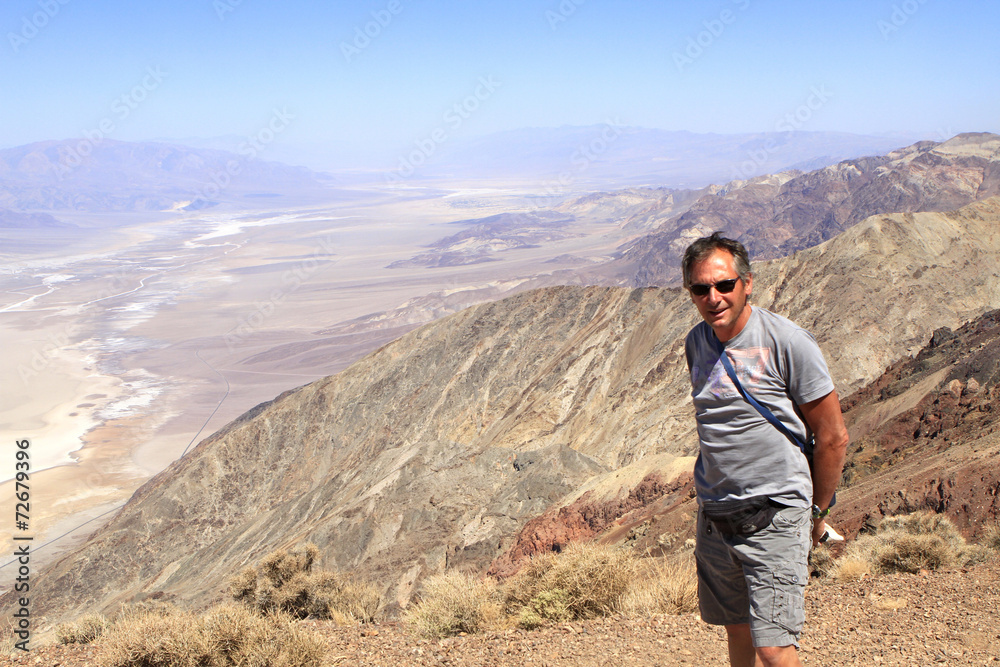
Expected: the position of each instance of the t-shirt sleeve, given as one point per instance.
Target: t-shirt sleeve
(808, 376)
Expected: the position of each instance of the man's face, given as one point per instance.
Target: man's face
(727, 314)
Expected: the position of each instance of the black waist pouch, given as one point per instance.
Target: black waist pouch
(740, 517)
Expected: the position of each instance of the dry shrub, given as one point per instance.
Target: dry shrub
(593, 578)
(226, 636)
(286, 581)
(83, 630)
(240, 637)
(991, 538)
(142, 639)
(551, 605)
(821, 561)
(8, 639)
(583, 581)
(913, 553)
(452, 603)
(670, 586)
(850, 568)
(907, 543)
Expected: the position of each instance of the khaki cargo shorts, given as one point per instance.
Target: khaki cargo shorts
(758, 579)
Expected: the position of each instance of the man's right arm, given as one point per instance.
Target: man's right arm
(827, 423)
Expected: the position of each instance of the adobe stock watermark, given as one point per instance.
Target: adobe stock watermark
(704, 39)
(42, 356)
(32, 25)
(790, 122)
(900, 16)
(248, 150)
(581, 159)
(363, 35)
(453, 119)
(121, 108)
(291, 281)
(945, 133)
(562, 13)
(223, 7)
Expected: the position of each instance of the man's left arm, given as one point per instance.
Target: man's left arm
(827, 423)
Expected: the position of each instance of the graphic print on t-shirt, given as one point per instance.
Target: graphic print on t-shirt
(749, 364)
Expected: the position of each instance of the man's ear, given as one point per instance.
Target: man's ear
(749, 284)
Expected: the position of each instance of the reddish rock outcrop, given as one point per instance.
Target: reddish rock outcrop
(583, 519)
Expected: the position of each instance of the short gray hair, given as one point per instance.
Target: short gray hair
(705, 246)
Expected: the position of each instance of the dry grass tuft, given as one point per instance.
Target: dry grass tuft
(850, 568)
(84, 630)
(821, 561)
(594, 580)
(226, 636)
(991, 538)
(907, 543)
(142, 639)
(666, 587)
(286, 582)
(453, 603)
(584, 581)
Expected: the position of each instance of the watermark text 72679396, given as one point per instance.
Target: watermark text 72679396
(22, 552)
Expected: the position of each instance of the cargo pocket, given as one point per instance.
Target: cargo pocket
(789, 609)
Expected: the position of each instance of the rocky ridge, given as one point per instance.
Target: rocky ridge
(779, 214)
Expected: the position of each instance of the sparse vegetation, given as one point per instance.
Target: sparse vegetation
(225, 636)
(821, 561)
(455, 602)
(84, 630)
(592, 579)
(584, 581)
(285, 581)
(906, 543)
(666, 587)
(991, 538)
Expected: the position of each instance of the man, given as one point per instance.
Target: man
(753, 581)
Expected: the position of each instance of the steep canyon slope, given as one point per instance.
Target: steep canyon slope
(437, 448)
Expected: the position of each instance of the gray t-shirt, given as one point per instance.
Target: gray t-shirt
(742, 454)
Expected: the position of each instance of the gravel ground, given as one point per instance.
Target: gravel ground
(937, 618)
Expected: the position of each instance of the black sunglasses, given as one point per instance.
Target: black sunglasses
(723, 287)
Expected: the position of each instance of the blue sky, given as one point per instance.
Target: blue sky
(205, 68)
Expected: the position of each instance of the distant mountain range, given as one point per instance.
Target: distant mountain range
(569, 159)
(115, 176)
(105, 175)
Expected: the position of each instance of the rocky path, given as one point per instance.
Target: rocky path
(936, 618)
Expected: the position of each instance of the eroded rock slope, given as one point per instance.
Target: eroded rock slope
(436, 449)
(779, 214)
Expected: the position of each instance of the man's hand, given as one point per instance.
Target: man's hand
(819, 530)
